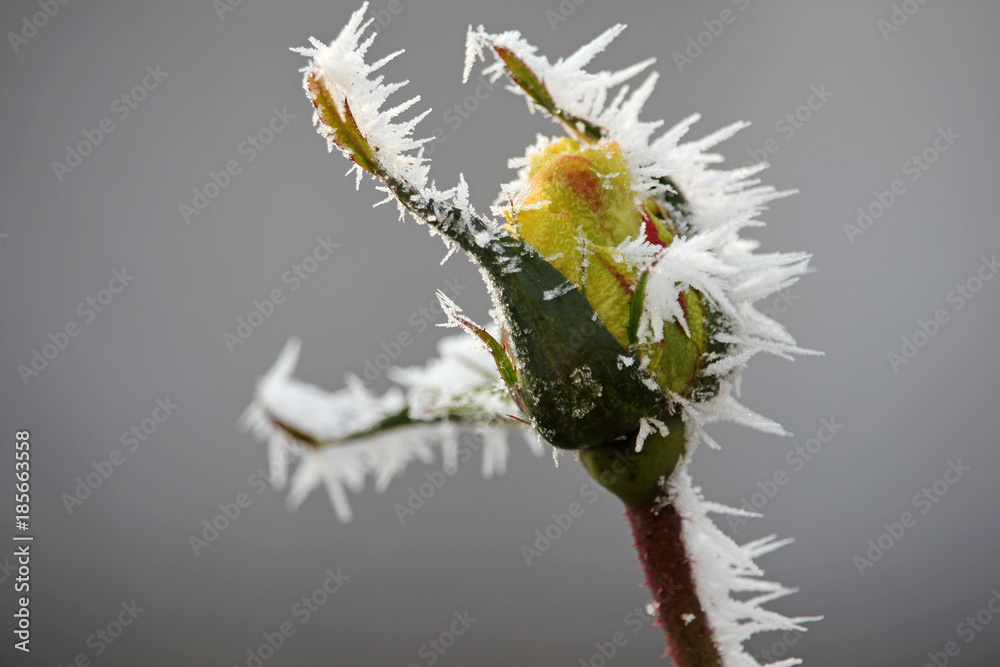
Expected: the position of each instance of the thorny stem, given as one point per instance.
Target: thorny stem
(635, 477)
(668, 573)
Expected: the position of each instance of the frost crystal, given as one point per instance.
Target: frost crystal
(721, 568)
(646, 428)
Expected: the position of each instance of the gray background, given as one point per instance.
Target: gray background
(163, 335)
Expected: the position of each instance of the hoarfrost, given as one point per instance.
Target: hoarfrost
(647, 425)
(342, 68)
(721, 568)
(345, 446)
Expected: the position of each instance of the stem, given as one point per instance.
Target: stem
(668, 573)
(635, 478)
(402, 419)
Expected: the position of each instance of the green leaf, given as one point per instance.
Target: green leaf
(636, 309)
(503, 362)
(345, 132)
(529, 82)
(567, 360)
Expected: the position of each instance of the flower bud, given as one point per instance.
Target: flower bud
(584, 207)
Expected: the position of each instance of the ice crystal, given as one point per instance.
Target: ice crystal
(720, 568)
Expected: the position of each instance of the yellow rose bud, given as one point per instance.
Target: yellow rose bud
(587, 209)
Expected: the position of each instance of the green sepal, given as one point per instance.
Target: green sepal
(345, 132)
(567, 361)
(504, 365)
(529, 82)
(636, 310)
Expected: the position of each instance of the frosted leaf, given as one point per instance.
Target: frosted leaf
(354, 115)
(342, 68)
(321, 414)
(341, 438)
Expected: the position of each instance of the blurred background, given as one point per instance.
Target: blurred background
(115, 302)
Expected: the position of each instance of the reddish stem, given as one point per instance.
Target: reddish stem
(637, 478)
(668, 572)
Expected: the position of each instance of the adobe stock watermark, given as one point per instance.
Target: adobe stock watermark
(419, 321)
(459, 112)
(561, 522)
(87, 310)
(959, 297)
(248, 149)
(797, 458)
(565, 9)
(779, 648)
(33, 23)
(924, 500)
(22, 617)
(392, 8)
(302, 611)
(913, 169)
(122, 107)
(968, 629)
(780, 303)
(294, 277)
(417, 496)
(213, 527)
(435, 647)
(789, 124)
(698, 44)
(131, 440)
(635, 620)
(223, 7)
(105, 636)
(898, 17)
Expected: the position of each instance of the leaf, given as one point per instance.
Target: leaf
(504, 365)
(345, 132)
(635, 312)
(529, 82)
(555, 339)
